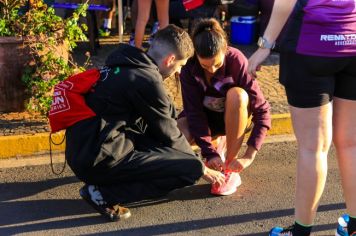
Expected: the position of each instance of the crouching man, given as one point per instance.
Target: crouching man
(132, 149)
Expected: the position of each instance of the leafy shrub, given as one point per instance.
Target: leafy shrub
(49, 40)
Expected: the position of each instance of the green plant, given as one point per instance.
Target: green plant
(48, 38)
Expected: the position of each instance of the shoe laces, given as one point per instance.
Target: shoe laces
(227, 175)
(95, 195)
(287, 231)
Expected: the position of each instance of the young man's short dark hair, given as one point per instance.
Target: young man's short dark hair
(172, 39)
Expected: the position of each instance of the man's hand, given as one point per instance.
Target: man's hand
(216, 163)
(213, 176)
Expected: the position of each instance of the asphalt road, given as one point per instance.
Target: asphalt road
(33, 201)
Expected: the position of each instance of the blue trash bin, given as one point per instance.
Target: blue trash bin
(243, 29)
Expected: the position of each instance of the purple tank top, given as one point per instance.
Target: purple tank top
(328, 28)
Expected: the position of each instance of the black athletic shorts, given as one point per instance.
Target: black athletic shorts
(312, 81)
(216, 122)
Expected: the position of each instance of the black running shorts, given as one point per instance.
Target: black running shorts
(216, 122)
(312, 81)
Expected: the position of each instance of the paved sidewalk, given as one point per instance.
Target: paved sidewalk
(24, 134)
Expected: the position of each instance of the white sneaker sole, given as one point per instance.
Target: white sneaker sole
(226, 193)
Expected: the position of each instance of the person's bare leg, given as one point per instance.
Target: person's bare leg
(236, 120)
(344, 137)
(313, 130)
(162, 7)
(144, 9)
(110, 15)
(112, 11)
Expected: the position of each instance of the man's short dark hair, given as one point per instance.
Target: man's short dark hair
(172, 39)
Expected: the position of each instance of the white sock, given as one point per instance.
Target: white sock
(107, 23)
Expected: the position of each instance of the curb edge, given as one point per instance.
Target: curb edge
(27, 145)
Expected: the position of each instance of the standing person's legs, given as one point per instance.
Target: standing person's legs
(162, 7)
(105, 29)
(345, 142)
(143, 14)
(313, 131)
(236, 120)
(345, 138)
(310, 85)
(111, 13)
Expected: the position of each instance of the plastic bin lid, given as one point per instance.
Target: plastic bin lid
(243, 19)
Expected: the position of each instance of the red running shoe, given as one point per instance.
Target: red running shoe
(232, 181)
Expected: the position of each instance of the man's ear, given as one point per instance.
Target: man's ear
(169, 60)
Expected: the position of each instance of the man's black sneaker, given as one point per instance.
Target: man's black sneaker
(93, 197)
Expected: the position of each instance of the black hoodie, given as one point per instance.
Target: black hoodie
(129, 95)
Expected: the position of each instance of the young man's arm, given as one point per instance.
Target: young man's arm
(153, 104)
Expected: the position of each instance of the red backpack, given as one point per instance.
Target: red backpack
(68, 103)
(192, 4)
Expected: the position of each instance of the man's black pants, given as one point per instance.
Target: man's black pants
(148, 174)
(149, 171)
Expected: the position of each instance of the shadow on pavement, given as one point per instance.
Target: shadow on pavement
(179, 227)
(20, 215)
(188, 193)
(23, 210)
(48, 209)
(13, 191)
(50, 225)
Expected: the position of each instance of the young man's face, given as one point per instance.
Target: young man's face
(171, 67)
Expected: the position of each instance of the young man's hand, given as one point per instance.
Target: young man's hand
(213, 176)
(216, 163)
